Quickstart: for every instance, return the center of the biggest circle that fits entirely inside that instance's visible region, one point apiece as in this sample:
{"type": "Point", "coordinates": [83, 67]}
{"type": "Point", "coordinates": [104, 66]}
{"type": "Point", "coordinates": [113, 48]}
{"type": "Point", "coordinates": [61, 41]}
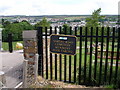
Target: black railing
{"type": "Point", "coordinates": [97, 59]}
{"type": "Point", "coordinates": [10, 43]}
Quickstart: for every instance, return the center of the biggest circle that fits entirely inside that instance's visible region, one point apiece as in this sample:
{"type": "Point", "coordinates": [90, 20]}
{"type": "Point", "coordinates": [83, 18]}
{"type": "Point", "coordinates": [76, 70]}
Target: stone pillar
{"type": "Point", "coordinates": [0, 61]}
{"type": "Point", "coordinates": [30, 56]}
{"type": "Point", "coordinates": [0, 39]}
{"type": "Point", "coordinates": [0, 49]}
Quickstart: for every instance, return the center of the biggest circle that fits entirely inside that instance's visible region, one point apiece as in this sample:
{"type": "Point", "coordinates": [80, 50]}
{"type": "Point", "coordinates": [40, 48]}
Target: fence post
{"type": "Point", "coordinates": [40, 51]}
{"type": "Point", "coordinates": [10, 43]}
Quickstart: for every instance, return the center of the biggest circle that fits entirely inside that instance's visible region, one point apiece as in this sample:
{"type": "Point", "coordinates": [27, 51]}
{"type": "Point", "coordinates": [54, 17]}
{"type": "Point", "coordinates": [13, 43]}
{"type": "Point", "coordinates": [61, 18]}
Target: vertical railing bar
{"type": "Point", "coordinates": [60, 67]}
{"type": "Point", "coordinates": [51, 72]}
{"type": "Point", "coordinates": [46, 52]}
{"type": "Point", "coordinates": [96, 53]}
{"type": "Point", "coordinates": [50, 30]}
{"type": "Point", "coordinates": [118, 56]}
{"type": "Point", "coordinates": [40, 51]}
{"type": "Point", "coordinates": [55, 30]}
{"type": "Point", "coordinates": [10, 42]}
{"type": "Point", "coordinates": [55, 59]}
{"type": "Point", "coordinates": [112, 55]}
{"type": "Point", "coordinates": [70, 60]}
{"type": "Point", "coordinates": [65, 65]}
{"type": "Point", "coordinates": [90, 63]}
{"type": "Point", "coordinates": [107, 48]}
{"type": "Point", "coordinates": [101, 56]}
{"type": "Point", "coordinates": [75, 57]}
{"type": "Point", "coordinates": [42, 54]}
{"type": "Point", "coordinates": [69, 69]}
{"type": "Point", "coordinates": [65, 68]}
{"type": "Point", "coordinates": [85, 59]}
{"type": "Point", "coordinates": [60, 28]}
{"type": "Point", "coordinates": [80, 55]}
{"type": "Point", "coordinates": [55, 66]}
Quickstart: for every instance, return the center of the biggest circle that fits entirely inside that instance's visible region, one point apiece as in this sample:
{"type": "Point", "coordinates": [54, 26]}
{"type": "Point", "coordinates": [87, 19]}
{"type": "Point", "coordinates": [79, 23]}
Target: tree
{"type": "Point", "coordinates": [93, 21]}
{"type": "Point", "coordinates": [44, 23]}
{"type": "Point", "coordinates": [16, 29]}
{"type": "Point", "coordinates": [26, 25]}
{"type": "Point", "coordinates": [3, 20]}
{"type": "Point", "coordinates": [5, 23]}
{"type": "Point", "coordinates": [66, 28]}
{"type": "Point", "coordinates": [25, 21]}
{"type": "Point", "coordinates": [16, 21]}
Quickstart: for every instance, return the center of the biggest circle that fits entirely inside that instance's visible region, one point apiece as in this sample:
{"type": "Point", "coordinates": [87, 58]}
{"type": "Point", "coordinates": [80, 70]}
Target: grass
{"type": "Point", "coordinates": [0, 25]}
{"type": "Point", "coordinates": [6, 47]}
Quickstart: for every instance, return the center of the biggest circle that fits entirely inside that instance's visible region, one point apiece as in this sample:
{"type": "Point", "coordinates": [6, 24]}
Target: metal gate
{"type": "Point", "coordinates": [97, 59]}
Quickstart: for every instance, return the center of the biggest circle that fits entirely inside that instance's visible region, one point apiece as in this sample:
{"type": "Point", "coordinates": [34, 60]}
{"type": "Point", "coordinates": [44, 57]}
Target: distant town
{"type": "Point", "coordinates": [59, 20]}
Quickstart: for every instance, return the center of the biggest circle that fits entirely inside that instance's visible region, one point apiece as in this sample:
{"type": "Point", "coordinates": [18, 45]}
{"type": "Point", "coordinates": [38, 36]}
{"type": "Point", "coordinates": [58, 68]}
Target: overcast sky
{"type": "Point", "coordinates": [57, 7]}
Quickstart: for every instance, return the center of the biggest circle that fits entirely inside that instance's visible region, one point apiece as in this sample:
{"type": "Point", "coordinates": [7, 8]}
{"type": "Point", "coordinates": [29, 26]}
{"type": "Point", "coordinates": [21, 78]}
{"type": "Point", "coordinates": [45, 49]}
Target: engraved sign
{"type": "Point", "coordinates": [63, 44]}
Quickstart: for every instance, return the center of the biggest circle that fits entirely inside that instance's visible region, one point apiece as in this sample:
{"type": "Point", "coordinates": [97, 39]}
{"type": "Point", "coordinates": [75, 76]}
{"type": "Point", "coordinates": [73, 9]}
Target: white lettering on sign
{"type": "Point", "coordinates": [63, 38]}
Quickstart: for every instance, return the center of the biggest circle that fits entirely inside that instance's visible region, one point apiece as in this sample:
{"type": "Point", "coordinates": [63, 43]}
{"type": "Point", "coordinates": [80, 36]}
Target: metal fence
{"type": "Point", "coordinates": [97, 59]}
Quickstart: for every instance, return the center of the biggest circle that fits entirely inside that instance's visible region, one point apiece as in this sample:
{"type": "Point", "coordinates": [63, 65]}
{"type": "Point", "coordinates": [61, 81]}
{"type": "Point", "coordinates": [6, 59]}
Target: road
{"type": "Point", "coordinates": [12, 65]}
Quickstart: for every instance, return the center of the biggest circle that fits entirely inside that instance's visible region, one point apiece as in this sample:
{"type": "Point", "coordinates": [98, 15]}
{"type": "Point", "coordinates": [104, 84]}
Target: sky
{"type": "Point", "coordinates": [57, 7]}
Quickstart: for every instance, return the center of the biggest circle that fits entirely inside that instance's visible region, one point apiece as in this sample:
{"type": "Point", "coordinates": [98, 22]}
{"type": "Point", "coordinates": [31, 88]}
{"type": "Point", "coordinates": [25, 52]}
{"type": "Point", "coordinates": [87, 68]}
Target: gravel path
{"type": "Point", "coordinates": [42, 83]}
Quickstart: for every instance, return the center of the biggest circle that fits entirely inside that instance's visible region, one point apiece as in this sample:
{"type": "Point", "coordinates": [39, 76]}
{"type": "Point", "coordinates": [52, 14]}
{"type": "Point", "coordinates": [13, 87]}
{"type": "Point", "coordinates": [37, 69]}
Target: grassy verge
{"type": "Point", "coordinates": [6, 47]}
{"type": "Point", "coordinates": [0, 25]}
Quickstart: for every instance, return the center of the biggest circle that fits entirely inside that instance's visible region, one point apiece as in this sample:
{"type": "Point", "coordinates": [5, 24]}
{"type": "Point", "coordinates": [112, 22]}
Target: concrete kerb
{"type": "Point", "coordinates": [19, 85]}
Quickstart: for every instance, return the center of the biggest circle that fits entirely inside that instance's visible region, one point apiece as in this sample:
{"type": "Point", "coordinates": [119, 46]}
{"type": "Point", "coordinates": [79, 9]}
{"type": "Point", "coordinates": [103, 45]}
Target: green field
{"type": "Point", "coordinates": [6, 47]}
{"type": "Point", "coordinates": [0, 25]}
